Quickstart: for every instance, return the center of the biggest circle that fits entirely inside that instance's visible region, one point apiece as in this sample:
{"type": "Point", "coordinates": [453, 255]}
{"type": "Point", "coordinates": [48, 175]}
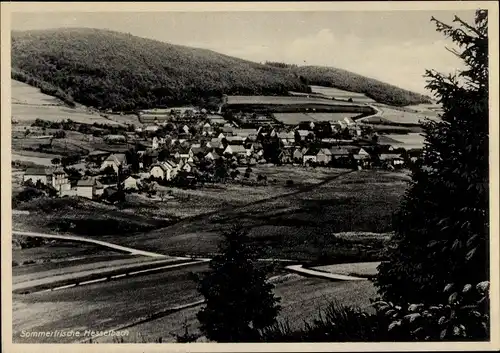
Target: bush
{"type": "Point", "coordinates": [29, 193]}
{"type": "Point", "coordinates": [465, 316]}
{"type": "Point", "coordinates": [289, 182]}
{"type": "Point", "coordinates": [336, 323]}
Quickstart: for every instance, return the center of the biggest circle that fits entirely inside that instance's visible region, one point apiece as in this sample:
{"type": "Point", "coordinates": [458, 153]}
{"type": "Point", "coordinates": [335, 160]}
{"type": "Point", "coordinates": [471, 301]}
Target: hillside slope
{"type": "Point", "coordinates": [108, 69]}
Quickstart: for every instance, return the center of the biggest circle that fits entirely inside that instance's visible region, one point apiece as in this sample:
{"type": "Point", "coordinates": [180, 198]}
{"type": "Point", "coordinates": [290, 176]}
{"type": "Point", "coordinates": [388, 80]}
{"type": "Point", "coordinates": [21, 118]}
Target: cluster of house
{"type": "Point", "coordinates": [186, 145]}
{"type": "Point", "coordinates": [58, 179]}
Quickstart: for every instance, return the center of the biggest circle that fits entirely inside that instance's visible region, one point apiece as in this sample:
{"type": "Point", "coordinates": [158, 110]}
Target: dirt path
{"type": "Point", "coordinates": [88, 240]}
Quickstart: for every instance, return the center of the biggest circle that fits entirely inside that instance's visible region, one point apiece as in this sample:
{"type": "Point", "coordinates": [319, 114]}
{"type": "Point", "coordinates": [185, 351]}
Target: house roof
{"type": "Point", "coordinates": [118, 158]}
{"type": "Point", "coordinates": [235, 138]}
{"type": "Point", "coordinates": [237, 148]}
{"type": "Point", "coordinates": [386, 156]}
{"type": "Point", "coordinates": [59, 170]}
{"type": "Point", "coordinates": [286, 135]}
{"type": "Point", "coordinates": [89, 182]}
{"type": "Point", "coordinates": [214, 154]}
{"type": "Point", "coordinates": [339, 151]}
{"type": "Point", "coordinates": [313, 151]}
{"type": "Point", "coordinates": [37, 171]}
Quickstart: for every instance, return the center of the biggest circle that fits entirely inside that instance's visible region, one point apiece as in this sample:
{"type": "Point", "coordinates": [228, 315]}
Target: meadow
{"type": "Point", "coordinates": [236, 100]}
{"type": "Point", "coordinates": [341, 94]}
{"type": "Point", "coordinates": [29, 104]}
{"type": "Point", "coordinates": [300, 225]}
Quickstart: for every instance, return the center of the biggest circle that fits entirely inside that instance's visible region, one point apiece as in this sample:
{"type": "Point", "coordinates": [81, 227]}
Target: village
{"type": "Point", "coordinates": [187, 147]}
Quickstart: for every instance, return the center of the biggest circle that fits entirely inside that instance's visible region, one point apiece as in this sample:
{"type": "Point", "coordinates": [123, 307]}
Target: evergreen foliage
{"type": "Point", "coordinates": [442, 228]}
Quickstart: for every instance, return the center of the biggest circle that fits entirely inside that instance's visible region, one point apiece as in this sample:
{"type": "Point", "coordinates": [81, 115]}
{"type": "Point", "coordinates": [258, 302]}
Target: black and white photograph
{"type": "Point", "coordinates": [250, 176]}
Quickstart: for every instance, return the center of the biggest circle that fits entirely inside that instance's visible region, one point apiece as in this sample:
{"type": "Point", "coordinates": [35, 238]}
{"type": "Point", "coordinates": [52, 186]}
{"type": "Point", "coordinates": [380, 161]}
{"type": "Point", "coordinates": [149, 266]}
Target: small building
{"type": "Point", "coordinates": [310, 156]}
{"type": "Point", "coordinates": [235, 140]}
{"type": "Point", "coordinates": [394, 159]}
{"type": "Point", "coordinates": [238, 150]}
{"type": "Point", "coordinates": [163, 170]}
{"type": "Point", "coordinates": [90, 188]}
{"type": "Point", "coordinates": [214, 143]}
{"type": "Point", "coordinates": [285, 157]}
{"type": "Point", "coordinates": [339, 152]}
{"type": "Point", "coordinates": [189, 167]}
{"type": "Point", "coordinates": [324, 156]}
{"type": "Point", "coordinates": [115, 160]}
{"type": "Point", "coordinates": [131, 183]}
{"type": "Point", "coordinates": [35, 174]}
{"type": "Point", "coordinates": [298, 155]}
{"type": "Point", "coordinates": [212, 156]}
{"type": "Point", "coordinates": [60, 181]}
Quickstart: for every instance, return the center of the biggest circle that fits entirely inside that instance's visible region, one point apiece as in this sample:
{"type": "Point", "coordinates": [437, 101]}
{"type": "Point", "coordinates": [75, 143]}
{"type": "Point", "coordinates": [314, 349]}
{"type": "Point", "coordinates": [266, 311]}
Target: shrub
{"type": "Point", "coordinates": [464, 317]}
{"type": "Point", "coordinates": [239, 301]}
{"type": "Point", "coordinates": [289, 182]}
{"type": "Point", "coordinates": [336, 323]}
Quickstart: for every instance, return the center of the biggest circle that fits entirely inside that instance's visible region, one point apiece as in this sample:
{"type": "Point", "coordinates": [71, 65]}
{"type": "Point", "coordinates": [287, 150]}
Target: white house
{"type": "Point", "coordinates": [162, 170]}
{"type": "Point", "coordinates": [38, 174]}
{"type": "Point", "coordinates": [115, 160]}
{"type": "Point", "coordinates": [60, 181]}
{"type": "Point", "coordinates": [89, 188]}
{"type": "Point", "coordinates": [235, 150]}
{"type": "Point", "coordinates": [130, 183]}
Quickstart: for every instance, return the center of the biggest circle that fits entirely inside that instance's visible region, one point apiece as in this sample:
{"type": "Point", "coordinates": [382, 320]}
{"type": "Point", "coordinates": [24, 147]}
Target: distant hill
{"type": "Point", "coordinates": [112, 70]}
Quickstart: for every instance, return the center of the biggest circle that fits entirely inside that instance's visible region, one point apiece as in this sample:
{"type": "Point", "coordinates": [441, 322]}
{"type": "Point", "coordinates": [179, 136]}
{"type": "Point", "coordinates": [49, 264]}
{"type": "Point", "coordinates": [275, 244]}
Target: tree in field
{"type": "Point", "coordinates": [239, 301]}
{"type": "Point", "coordinates": [441, 230]}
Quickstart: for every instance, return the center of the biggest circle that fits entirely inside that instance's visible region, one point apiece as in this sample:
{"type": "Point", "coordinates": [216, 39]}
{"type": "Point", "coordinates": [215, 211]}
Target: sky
{"type": "Point", "coordinates": [393, 46]}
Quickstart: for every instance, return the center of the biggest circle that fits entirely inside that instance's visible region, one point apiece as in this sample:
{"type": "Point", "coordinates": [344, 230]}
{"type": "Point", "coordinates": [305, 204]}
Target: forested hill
{"type": "Point", "coordinates": [107, 69]}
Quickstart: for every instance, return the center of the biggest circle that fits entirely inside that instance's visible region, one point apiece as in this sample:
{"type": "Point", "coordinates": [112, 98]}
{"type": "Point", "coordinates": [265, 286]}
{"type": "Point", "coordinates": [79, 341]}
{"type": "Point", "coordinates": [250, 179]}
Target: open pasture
{"type": "Point", "coordinates": [341, 94]}
{"type": "Point", "coordinates": [236, 100]}
{"type": "Point", "coordinates": [23, 93]}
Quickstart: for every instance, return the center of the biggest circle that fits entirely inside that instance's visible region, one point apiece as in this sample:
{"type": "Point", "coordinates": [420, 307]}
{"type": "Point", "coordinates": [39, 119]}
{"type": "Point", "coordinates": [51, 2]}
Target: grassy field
{"type": "Point", "coordinates": [53, 253]}
{"type": "Point", "coordinates": [405, 116]}
{"type": "Point", "coordinates": [301, 299]}
{"type": "Point", "coordinates": [361, 269]}
{"type": "Point", "coordinates": [29, 104]}
{"type": "Point", "coordinates": [84, 217]}
{"type": "Point", "coordinates": [412, 140]}
{"type": "Point", "coordinates": [299, 225]}
{"type": "Point", "coordinates": [341, 94]}
{"type": "Point", "coordinates": [26, 94]}
{"type": "Point", "coordinates": [235, 100]}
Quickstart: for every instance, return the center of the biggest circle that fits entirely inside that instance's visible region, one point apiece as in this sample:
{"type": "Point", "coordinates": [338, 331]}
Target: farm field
{"type": "Point", "coordinates": [23, 93]}
{"type": "Point", "coordinates": [42, 161]}
{"type": "Point", "coordinates": [29, 104]}
{"type": "Point", "coordinates": [407, 141]}
{"type": "Point", "coordinates": [299, 225]}
{"type": "Point", "coordinates": [296, 118]}
{"type": "Point", "coordinates": [43, 255]}
{"type": "Point", "coordinates": [79, 216]}
{"type": "Point", "coordinates": [102, 306]}
{"type": "Point", "coordinates": [236, 100]}
{"type": "Point", "coordinates": [301, 299]}
{"type": "Point", "coordinates": [341, 94]}
{"type": "Point", "coordinates": [403, 116]}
